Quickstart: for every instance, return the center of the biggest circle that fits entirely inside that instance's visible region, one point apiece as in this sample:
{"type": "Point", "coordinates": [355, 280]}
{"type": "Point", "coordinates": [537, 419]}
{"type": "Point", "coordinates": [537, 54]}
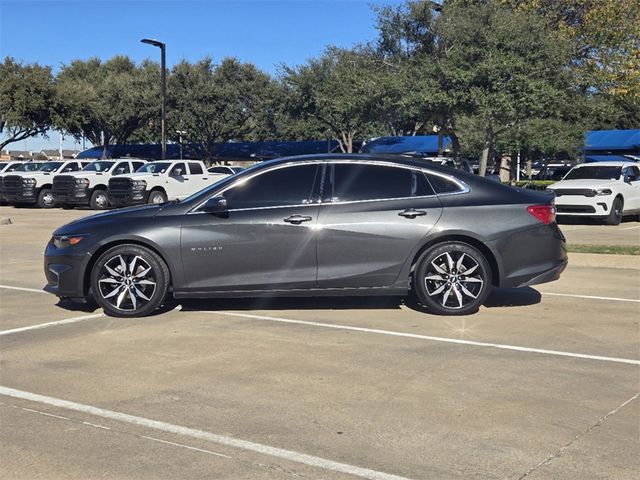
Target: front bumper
{"type": "Point", "coordinates": [75, 196]}
{"type": "Point", "coordinates": [130, 197]}
{"type": "Point", "coordinates": [597, 206]}
{"type": "Point", "coordinates": [65, 273]}
{"type": "Point", "coordinates": [25, 194]}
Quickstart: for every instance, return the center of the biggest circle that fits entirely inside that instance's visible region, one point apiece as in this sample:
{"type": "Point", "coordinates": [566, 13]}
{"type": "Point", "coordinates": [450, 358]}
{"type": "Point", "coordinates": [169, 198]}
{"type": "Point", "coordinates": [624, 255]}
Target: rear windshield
{"type": "Point", "coordinates": [98, 166]}
{"type": "Point", "coordinates": [595, 173]}
{"type": "Point", "coordinates": [155, 167]}
{"type": "Point", "coordinates": [50, 166]}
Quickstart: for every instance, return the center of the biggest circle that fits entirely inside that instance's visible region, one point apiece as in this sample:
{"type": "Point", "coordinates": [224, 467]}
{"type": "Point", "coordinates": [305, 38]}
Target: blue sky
{"type": "Point", "coordinates": [266, 33]}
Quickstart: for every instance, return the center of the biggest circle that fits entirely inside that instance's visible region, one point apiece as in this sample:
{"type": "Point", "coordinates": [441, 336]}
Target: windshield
{"type": "Point", "coordinates": [50, 166]}
{"type": "Point", "coordinates": [154, 167]}
{"type": "Point", "coordinates": [13, 168]}
{"type": "Point", "coordinates": [100, 166]}
{"type": "Point", "coordinates": [594, 173]}
{"type": "Point", "coordinates": [29, 167]}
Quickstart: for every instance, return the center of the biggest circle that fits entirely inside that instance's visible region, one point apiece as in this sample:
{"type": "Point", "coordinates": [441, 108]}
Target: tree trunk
{"type": "Point", "coordinates": [486, 150]}
{"type": "Point", "coordinates": [505, 167]}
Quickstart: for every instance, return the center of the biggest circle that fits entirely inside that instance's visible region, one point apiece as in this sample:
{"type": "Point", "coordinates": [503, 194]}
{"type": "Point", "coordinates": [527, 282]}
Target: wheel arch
{"type": "Point", "coordinates": [490, 255]}
{"type": "Point", "coordinates": [86, 283]}
{"type": "Point", "coordinates": [101, 186]}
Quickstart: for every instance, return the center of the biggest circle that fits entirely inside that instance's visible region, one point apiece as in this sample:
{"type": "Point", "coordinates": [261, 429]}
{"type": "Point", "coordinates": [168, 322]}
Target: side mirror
{"type": "Point", "coordinates": [176, 172]}
{"type": "Point", "coordinates": [216, 205]}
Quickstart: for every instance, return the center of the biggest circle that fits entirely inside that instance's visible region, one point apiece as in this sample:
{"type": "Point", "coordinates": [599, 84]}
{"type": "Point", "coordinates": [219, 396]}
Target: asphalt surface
{"type": "Point", "coordinates": [586, 232]}
{"type": "Point", "coordinates": [542, 383]}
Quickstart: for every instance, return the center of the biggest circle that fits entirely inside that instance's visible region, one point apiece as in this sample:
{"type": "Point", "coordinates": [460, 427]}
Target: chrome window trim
{"type": "Point", "coordinates": [463, 186]}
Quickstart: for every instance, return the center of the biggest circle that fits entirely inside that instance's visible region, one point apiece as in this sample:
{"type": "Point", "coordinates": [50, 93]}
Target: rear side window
{"type": "Point", "coordinates": [195, 168]}
{"type": "Point", "coordinates": [442, 185]}
{"type": "Point", "coordinates": [280, 187]}
{"type": "Point", "coordinates": [353, 182]}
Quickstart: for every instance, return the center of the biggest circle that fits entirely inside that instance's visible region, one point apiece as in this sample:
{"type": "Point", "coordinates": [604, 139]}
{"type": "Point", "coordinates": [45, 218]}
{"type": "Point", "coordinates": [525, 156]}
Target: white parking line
{"type": "Point", "coordinates": [432, 339]}
{"type": "Point", "coordinates": [51, 324]}
{"type": "Point", "coordinates": [186, 446]}
{"type": "Point", "coordinates": [203, 435]}
{"type": "Point", "coordinates": [23, 289]}
{"type": "Point", "coordinates": [591, 297]}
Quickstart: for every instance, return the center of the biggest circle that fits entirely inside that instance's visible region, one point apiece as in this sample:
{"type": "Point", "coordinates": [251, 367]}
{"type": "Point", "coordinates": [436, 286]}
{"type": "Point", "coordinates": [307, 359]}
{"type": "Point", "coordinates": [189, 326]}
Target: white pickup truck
{"type": "Point", "coordinates": [89, 185]}
{"type": "Point", "coordinates": [160, 181]}
{"type": "Point", "coordinates": [36, 186]}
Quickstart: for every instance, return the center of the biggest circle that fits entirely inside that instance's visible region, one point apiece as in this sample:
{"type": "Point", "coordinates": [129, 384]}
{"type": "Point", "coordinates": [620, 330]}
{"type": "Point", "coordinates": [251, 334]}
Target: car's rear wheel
{"type": "Point", "coordinates": [615, 216]}
{"type": "Point", "coordinates": [452, 278]}
{"type": "Point", "coordinates": [46, 198]}
{"type": "Point", "coordinates": [157, 196]}
{"type": "Point", "coordinates": [99, 200]}
{"type": "Point", "coordinates": [129, 281]}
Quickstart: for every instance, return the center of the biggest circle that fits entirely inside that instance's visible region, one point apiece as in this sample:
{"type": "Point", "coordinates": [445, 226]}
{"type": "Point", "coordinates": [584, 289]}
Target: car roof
{"type": "Point", "coordinates": [607, 164]}
{"type": "Point", "coordinates": [388, 158]}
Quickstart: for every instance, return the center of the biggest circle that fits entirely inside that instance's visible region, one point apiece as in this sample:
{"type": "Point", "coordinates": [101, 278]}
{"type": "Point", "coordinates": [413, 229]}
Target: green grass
{"type": "Point", "coordinates": [605, 249]}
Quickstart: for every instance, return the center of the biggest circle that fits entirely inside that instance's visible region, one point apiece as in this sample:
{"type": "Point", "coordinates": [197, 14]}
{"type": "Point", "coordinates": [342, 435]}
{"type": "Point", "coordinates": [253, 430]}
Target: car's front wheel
{"type": "Point", "coordinates": [615, 216]}
{"type": "Point", "coordinates": [46, 199]}
{"type": "Point", "coordinates": [129, 281]}
{"type": "Point", "coordinates": [99, 200]}
{"type": "Point", "coordinates": [452, 278]}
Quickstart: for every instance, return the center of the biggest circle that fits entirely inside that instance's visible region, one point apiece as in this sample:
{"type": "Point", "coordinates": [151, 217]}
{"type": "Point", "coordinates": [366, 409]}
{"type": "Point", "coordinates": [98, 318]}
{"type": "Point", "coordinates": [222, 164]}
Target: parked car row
{"type": "Point", "coordinates": [103, 183]}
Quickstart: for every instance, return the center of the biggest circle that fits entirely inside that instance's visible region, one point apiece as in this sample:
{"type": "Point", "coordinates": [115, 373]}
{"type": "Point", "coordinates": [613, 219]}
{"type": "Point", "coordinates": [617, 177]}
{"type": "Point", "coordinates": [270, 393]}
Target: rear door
{"type": "Point", "coordinates": [198, 176]}
{"type": "Point", "coordinates": [371, 218]}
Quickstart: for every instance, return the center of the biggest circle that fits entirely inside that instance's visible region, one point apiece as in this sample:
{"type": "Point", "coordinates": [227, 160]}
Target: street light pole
{"type": "Point", "coordinates": [163, 87]}
{"type": "Point", "coordinates": [180, 133]}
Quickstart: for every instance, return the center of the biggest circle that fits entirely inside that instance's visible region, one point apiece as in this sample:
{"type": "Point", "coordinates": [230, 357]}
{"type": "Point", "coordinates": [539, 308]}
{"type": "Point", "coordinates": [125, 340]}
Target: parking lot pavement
{"type": "Point", "coordinates": [595, 233]}
{"type": "Point", "coordinates": [541, 383]}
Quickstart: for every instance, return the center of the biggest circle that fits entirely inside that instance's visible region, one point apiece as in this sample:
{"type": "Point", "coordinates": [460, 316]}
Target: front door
{"type": "Point", "coordinates": [371, 218]}
{"type": "Point", "coordinates": [266, 242]}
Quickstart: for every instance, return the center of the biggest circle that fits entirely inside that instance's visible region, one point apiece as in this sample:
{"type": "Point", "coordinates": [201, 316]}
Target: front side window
{"type": "Point", "coordinates": [279, 187]}
{"type": "Point", "coordinates": [178, 169]}
{"type": "Point", "coordinates": [71, 167]}
{"type": "Point", "coordinates": [121, 168]}
{"type": "Point", "coordinates": [51, 166]}
{"type": "Point", "coordinates": [356, 182]}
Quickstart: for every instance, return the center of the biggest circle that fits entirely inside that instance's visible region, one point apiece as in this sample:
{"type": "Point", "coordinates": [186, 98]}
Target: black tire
{"type": "Point", "coordinates": [99, 200]}
{"type": "Point", "coordinates": [46, 198]}
{"type": "Point", "coordinates": [615, 216]}
{"type": "Point", "coordinates": [442, 289]}
{"type": "Point", "coordinates": [157, 196]}
{"type": "Point", "coordinates": [67, 206]}
{"type": "Point", "coordinates": [123, 292]}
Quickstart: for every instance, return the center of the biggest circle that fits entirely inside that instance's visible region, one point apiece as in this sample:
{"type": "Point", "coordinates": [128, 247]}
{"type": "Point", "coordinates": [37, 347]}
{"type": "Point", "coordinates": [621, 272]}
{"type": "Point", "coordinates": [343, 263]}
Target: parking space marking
{"type": "Point", "coordinates": [51, 324]}
{"type": "Point", "coordinates": [591, 297]}
{"type": "Point", "coordinates": [288, 455]}
{"type": "Point", "coordinates": [433, 339]}
{"type": "Point", "coordinates": [23, 289]}
{"type": "Point", "coordinates": [186, 446]}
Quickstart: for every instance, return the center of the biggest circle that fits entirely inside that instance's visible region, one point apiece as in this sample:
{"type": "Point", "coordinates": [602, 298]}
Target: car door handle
{"type": "Point", "coordinates": [412, 213]}
{"type": "Point", "coordinates": [297, 219]}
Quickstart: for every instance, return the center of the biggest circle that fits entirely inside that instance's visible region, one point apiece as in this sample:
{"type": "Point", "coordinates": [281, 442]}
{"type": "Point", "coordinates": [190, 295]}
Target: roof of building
{"type": "Point", "coordinates": [612, 140]}
{"type": "Point", "coordinates": [422, 144]}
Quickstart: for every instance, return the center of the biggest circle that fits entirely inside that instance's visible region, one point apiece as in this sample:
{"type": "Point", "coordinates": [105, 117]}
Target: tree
{"type": "Point", "coordinates": [337, 90]}
{"type": "Point", "coordinates": [216, 103]}
{"type": "Point", "coordinates": [26, 95]}
{"type": "Point", "coordinates": [106, 102]}
{"type": "Point", "coordinates": [508, 66]}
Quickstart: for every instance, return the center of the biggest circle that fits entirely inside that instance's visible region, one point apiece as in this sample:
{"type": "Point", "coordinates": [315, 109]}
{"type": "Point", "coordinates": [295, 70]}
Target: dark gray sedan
{"type": "Point", "coordinates": [327, 225]}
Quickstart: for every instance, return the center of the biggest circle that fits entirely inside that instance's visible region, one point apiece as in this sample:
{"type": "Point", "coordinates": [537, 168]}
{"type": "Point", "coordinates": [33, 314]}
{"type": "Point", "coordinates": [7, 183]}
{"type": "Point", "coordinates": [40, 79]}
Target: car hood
{"type": "Point", "coordinates": [86, 224]}
{"type": "Point", "coordinates": [583, 183]}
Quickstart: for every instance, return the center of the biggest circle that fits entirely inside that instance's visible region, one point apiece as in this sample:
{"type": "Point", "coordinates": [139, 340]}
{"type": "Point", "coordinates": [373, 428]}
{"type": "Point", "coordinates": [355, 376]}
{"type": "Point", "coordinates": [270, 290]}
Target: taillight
{"type": "Point", "coordinates": [545, 213]}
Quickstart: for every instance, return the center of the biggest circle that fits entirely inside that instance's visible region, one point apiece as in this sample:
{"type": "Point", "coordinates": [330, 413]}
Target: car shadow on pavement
{"type": "Point", "coordinates": [499, 297]}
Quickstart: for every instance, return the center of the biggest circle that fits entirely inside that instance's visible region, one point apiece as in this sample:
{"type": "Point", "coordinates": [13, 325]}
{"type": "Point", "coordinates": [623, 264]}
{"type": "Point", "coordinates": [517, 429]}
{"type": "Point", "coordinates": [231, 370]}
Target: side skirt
{"type": "Point", "coordinates": [312, 292]}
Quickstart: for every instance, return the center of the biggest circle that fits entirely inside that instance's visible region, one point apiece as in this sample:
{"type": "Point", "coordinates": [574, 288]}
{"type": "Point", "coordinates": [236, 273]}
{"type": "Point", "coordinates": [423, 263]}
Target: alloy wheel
{"type": "Point", "coordinates": [454, 279]}
{"type": "Point", "coordinates": [127, 282]}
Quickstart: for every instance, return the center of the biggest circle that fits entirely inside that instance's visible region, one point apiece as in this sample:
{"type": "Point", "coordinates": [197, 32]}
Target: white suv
{"type": "Point", "coordinates": [89, 185]}
{"type": "Point", "coordinates": [160, 181]}
{"type": "Point", "coordinates": [606, 190]}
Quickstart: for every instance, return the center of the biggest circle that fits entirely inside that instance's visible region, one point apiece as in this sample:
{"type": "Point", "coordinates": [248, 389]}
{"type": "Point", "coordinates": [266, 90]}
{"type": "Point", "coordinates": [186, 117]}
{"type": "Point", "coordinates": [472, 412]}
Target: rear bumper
{"type": "Point", "coordinates": [549, 275]}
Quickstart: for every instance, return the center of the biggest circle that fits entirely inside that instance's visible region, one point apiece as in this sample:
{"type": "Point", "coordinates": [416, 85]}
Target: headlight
{"type": "Point", "coordinates": [603, 191]}
{"type": "Point", "coordinates": [82, 181]}
{"type": "Point", "coordinates": [139, 184]}
{"type": "Point", "coordinates": [65, 241]}
{"type": "Point", "coordinates": [29, 181]}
